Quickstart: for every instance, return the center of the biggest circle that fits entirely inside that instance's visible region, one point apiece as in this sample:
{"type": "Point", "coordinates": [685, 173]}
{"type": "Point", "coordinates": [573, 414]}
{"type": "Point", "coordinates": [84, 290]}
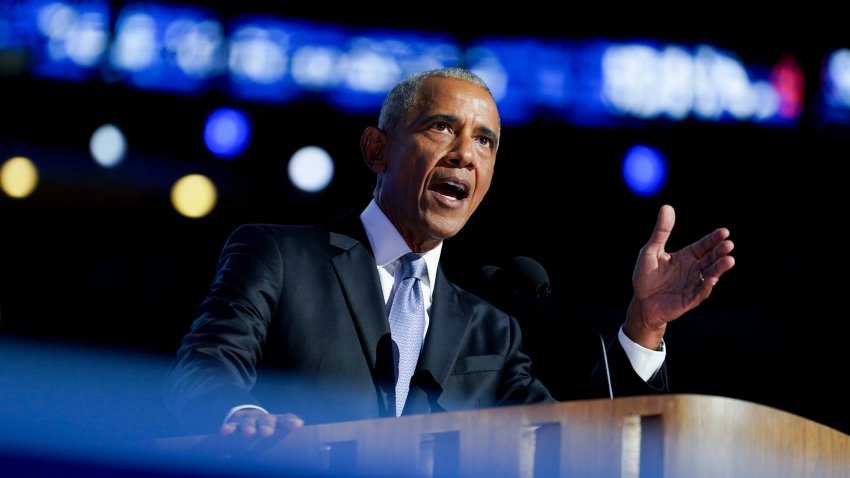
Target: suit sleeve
{"type": "Point", "coordinates": [519, 386]}
{"type": "Point", "coordinates": [215, 366]}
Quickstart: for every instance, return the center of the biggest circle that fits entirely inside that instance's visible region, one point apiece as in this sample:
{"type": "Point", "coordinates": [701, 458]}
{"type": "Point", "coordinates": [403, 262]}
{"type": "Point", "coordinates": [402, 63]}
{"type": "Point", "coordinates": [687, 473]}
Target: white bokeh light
{"type": "Point", "coordinates": [108, 146]}
{"type": "Point", "coordinates": [311, 169]}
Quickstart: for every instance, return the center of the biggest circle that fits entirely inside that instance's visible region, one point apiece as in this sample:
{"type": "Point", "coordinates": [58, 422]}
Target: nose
{"type": "Point", "coordinates": [463, 152]}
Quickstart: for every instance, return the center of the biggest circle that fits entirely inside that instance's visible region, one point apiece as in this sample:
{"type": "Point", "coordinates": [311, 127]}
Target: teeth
{"type": "Point", "coordinates": [456, 186]}
{"type": "Point", "coordinates": [454, 189]}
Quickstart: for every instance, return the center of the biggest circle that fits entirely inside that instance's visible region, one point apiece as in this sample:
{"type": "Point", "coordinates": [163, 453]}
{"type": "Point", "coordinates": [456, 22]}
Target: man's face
{"type": "Point", "coordinates": [439, 162]}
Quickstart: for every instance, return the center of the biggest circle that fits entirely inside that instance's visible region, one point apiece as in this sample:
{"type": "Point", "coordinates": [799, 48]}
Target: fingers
{"type": "Point", "coordinates": [718, 236]}
{"type": "Point", "coordinates": [718, 268]}
{"type": "Point", "coordinates": [253, 422]}
{"type": "Point", "coordinates": [717, 261]}
{"type": "Point", "coordinates": [248, 423]}
{"type": "Point", "coordinates": [713, 248]}
{"type": "Point", "coordinates": [290, 421]}
{"type": "Point", "coordinates": [227, 428]}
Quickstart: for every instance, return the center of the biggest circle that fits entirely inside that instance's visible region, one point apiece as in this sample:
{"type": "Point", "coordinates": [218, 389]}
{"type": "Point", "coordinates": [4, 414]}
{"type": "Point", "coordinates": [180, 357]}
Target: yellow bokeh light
{"type": "Point", "coordinates": [194, 195]}
{"type": "Point", "coordinates": [18, 177]}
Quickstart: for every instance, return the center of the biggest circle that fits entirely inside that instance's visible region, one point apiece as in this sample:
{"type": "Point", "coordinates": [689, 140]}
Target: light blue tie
{"type": "Point", "coordinates": [407, 325]}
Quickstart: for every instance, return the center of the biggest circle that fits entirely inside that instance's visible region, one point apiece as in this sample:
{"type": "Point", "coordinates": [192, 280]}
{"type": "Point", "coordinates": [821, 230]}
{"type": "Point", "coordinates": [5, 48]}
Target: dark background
{"type": "Point", "coordinates": [99, 259]}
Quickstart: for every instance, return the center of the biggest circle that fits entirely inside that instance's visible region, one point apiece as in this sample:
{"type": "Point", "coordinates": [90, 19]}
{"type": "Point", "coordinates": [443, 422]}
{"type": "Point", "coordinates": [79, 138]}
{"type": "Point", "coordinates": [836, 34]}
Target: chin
{"type": "Point", "coordinates": [446, 229]}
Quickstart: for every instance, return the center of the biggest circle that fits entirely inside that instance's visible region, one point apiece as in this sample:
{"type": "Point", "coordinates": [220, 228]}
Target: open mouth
{"type": "Point", "coordinates": [452, 188]}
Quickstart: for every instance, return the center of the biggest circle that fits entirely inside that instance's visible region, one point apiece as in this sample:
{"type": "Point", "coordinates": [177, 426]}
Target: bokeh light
{"type": "Point", "coordinates": [194, 195]}
{"type": "Point", "coordinates": [18, 177]}
{"type": "Point", "coordinates": [644, 170]}
{"type": "Point", "coordinates": [108, 146]}
{"type": "Point", "coordinates": [227, 132]}
{"type": "Point", "coordinates": [311, 169]}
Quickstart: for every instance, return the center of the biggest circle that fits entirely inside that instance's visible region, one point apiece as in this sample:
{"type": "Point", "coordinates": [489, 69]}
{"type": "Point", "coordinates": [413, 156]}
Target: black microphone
{"type": "Point", "coordinates": [528, 277]}
{"type": "Point", "coordinates": [521, 281]}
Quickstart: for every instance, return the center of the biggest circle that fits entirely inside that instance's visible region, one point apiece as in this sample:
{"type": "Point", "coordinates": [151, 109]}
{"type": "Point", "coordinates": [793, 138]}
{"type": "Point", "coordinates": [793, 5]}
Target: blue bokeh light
{"type": "Point", "coordinates": [68, 39]}
{"type": "Point", "coordinates": [173, 48]}
{"type": "Point", "coordinates": [227, 132]}
{"type": "Point", "coordinates": [595, 82]}
{"type": "Point", "coordinates": [644, 170]}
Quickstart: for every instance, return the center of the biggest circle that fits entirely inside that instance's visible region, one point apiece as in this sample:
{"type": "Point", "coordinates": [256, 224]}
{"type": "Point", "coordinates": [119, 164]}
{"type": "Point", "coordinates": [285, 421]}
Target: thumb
{"type": "Point", "coordinates": [663, 227]}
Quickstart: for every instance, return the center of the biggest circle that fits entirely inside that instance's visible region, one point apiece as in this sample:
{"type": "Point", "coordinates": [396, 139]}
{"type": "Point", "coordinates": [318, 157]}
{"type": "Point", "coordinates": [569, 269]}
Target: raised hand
{"type": "Point", "coordinates": [668, 284]}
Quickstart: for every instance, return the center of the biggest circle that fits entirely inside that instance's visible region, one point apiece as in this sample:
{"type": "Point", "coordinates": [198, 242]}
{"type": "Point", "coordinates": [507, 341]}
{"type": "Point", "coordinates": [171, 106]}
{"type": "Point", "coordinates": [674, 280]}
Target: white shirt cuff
{"type": "Point", "coordinates": [644, 361]}
{"type": "Point", "coordinates": [240, 407]}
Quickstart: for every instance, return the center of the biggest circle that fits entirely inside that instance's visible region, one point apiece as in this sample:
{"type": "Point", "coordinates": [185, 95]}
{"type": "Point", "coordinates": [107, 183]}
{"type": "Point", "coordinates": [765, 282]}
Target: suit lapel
{"type": "Point", "coordinates": [449, 318]}
{"type": "Point", "coordinates": [358, 278]}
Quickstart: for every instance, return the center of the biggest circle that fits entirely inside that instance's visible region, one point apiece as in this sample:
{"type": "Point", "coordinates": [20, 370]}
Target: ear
{"type": "Point", "coordinates": [372, 148]}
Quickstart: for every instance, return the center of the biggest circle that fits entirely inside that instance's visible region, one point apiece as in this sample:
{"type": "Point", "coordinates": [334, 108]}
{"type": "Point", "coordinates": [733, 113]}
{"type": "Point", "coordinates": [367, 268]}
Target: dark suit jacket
{"type": "Point", "coordinates": [295, 321]}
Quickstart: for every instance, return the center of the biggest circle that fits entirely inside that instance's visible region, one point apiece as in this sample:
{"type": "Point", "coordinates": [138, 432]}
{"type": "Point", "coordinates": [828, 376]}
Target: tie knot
{"type": "Point", "coordinates": [413, 265]}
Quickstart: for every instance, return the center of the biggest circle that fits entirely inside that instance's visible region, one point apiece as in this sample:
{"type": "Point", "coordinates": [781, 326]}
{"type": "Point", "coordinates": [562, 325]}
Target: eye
{"type": "Point", "coordinates": [441, 126]}
{"type": "Point", "coordinates": [484, 140]}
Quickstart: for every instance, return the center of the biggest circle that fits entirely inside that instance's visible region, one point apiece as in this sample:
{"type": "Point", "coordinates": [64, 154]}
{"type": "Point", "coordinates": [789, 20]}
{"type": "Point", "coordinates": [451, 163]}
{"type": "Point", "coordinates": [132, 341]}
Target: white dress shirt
{"type": "Point", "coordinates": [388, 247]}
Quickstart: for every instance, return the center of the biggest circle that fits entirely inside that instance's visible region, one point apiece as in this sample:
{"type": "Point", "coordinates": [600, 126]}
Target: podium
{"type": "Point", "coordinates": [683, 435]}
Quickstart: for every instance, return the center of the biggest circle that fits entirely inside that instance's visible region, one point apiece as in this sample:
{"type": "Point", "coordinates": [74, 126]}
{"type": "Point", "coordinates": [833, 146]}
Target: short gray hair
{"type": "Point", "coordinates": [405, 95]}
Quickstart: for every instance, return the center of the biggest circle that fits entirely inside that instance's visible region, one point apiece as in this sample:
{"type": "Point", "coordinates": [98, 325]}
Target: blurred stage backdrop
{"type": "Point", "coordinates": [135, 136]}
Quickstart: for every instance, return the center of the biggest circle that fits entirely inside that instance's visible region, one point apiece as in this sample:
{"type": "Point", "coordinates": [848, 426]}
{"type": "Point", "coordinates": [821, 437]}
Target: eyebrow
{"type": "Point", "coordinates": [449, 118]}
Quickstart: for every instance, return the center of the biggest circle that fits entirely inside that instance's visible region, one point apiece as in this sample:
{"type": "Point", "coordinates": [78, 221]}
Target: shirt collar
{"type": "Point", "coordinates": [387, 243]}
